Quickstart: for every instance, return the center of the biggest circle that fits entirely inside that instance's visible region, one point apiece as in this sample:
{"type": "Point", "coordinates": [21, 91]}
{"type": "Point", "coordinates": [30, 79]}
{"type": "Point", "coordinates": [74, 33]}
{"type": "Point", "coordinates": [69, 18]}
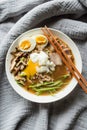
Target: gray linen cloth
{"type": "Point", "coordinates": [18, 16]}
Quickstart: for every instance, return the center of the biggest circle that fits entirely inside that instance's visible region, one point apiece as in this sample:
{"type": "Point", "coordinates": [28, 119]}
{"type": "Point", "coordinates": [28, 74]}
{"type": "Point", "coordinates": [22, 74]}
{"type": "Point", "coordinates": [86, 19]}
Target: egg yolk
{"type": "Point", "coordinates": [30, 70]}
{"type": "Point", "coordinates": [40, 40]}
{"type": "Point", "coordinates": [25, 45]}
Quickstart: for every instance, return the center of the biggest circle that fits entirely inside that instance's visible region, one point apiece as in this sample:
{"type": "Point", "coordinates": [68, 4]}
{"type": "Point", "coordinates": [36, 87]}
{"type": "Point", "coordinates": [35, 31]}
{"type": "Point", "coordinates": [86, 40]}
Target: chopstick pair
{"type": "Point", "coordinates": [67, 61]}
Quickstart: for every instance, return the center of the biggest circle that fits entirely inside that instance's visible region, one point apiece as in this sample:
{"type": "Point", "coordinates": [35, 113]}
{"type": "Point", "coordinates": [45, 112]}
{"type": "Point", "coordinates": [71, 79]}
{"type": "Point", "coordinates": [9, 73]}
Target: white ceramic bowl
{"type": "Point", "coordinates": [44, 99]}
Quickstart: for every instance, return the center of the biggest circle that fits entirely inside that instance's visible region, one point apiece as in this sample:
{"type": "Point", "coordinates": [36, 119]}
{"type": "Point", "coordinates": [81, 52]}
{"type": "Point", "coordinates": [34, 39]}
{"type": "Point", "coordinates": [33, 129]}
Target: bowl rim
{"type": "Point", "coordinates": [35, 99]}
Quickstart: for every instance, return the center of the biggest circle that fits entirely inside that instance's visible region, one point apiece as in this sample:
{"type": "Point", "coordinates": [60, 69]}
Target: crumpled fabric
{"type": "Point", "coordinates": [18, 16]}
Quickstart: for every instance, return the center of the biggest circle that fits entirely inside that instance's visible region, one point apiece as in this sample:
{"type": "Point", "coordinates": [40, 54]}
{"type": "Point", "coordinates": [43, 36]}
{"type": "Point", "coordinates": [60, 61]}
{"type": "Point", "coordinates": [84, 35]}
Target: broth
{"type": "Point", "coordinates": [55, 77]}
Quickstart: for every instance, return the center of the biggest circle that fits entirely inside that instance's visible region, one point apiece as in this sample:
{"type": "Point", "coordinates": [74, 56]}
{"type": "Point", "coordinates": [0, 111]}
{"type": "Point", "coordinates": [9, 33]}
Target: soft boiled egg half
{"type": "Point", "coordinates": [27, 44]}
{"type": "Point", "coordinates": [41, 40]}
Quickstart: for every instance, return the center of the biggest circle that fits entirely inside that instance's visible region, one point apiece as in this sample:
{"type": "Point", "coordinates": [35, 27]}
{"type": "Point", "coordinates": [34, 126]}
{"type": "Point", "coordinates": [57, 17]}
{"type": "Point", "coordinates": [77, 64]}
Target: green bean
{"type": "Point", "coordinates": [64, 76]}
{"type": "Point", "coordinates": [48, 88]}
{"type": "Point", "coordinates": [50, 84]}
{"type": "Point", "coordinates": [20, 82]}
{"type": "Point", "coordinates": [22, 74]}
{"type": "Point", "coordinates": [40, 84]}
{"type": "Point", "coordinates": [52, 92]}
{"type": "Point", "coordinates": [38, 93]}
{"type": "Point", "coordinates": [55, 83]}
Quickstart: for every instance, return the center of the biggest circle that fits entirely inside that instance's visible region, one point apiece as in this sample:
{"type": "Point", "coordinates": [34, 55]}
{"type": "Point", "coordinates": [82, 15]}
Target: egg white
{"type": "Point", "coordinates": [44, 65]}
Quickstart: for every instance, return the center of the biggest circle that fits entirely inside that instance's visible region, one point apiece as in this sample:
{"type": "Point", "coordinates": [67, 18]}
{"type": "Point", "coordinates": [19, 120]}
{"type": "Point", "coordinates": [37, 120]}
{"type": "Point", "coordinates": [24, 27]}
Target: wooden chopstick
{"type": "Point", "coordinates": [81, 80]}
{"type": "Point", "coordinates": [69, 60]}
